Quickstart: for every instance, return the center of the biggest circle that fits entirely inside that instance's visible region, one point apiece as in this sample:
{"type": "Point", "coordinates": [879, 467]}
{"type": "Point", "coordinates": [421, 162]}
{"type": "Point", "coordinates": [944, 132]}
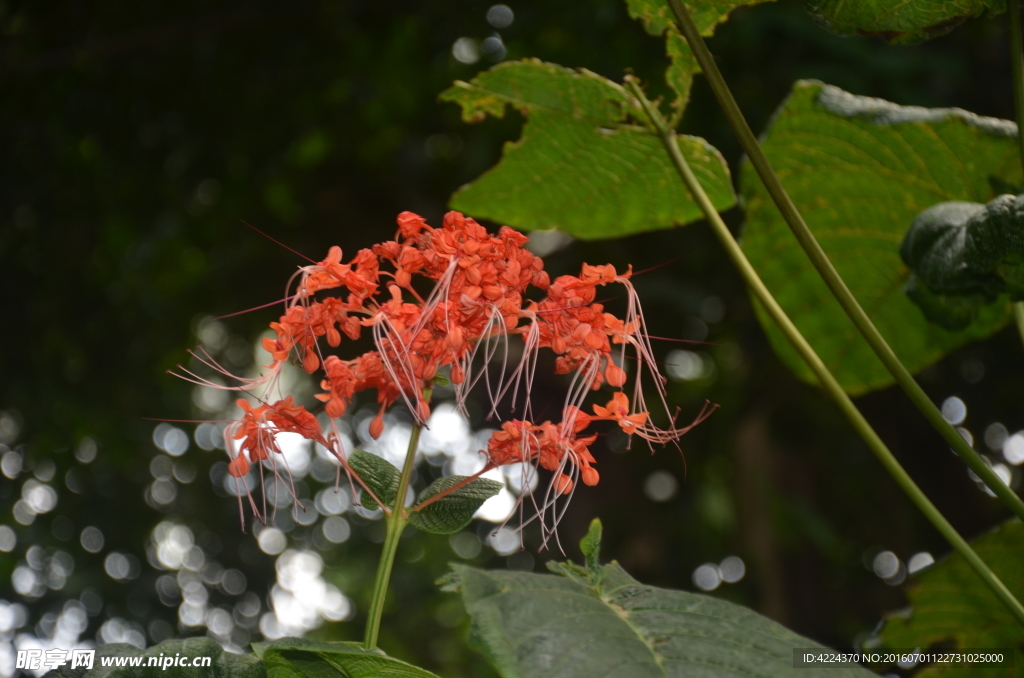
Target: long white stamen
{"type": "Point", "coordinates": [386, 336]}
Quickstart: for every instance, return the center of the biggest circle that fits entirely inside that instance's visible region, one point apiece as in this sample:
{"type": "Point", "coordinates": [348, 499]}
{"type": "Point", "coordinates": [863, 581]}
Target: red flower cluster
{"type": "Point", "coordinates": [578, 330]}
{"type": "Point", "coordinates": [557, 447]}
{"type": "Point", "coordinates": [432, 297]}
{"type": "Point", "coordinates": [258, 429]}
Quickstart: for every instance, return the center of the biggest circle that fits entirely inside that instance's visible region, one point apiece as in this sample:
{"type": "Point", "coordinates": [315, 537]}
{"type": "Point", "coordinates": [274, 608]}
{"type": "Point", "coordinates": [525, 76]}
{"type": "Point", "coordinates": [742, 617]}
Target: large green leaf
{"type": "Point", "coordinates": [579, 166]}
{"type": "Point", "coordinates": [454, 511]}
{"type": "Point", "coordinates": [599, 621]}
{"type": "Point", "coordinates": [951, 607]}
{"type": "Point", "coordinates": [860, 170]}
{"type": "Point", "coordinates": [899, 21]}
{"type": "Point", "coordinates": [300, 658]}
{"type": "Point", "coordinates": [222, 665]}
{"type": "Point", "coordinates": [963, 255]}
{"type": "Point", "coordinates": [378, 474]}
{"type": "Point", "coordinates": [658, 19]}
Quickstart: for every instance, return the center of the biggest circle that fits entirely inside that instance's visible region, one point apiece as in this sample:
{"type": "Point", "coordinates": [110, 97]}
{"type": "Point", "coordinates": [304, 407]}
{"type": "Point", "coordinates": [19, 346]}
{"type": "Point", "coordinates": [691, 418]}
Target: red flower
{"type": "Point", "coordinates": [617, 409]}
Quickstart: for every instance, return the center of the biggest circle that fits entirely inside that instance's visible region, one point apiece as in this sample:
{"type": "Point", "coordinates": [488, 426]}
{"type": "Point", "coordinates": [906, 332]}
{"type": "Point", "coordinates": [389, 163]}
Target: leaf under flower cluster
{"type": "Point", "coordinates": [597, 621]}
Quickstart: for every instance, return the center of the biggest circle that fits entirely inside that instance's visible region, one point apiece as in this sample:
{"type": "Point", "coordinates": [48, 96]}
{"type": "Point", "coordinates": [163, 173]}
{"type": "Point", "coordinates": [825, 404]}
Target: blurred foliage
{"type": "Point", "coordinates": [138, 137]}
{"type": "Point", "coordinates": [899, 21]}
{"type": "Point", "coordinates": [952, 611]}
{"type": "Point", "coordinates": [860, 170]}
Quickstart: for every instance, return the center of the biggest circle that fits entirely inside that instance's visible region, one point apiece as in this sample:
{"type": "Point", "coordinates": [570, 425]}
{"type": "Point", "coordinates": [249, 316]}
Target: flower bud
{"type": "Point", "coordinates": [239, 466]}
{"type": "Point", "coordinates": [377, 425]}
{"type": "Point", "coordinates": [410, 223]}
{"type": "Point", "coordinates": [615, 375]}
{"type": "Point", "coordinates": [454, 338]}
{"type": "Point", "coordinates": [311, 362]}
{"type": "Point", "coordinates": [454, 220]}
{"type": "Point", "coordinates": [563, 484]}
{"type": "Point", "coordinates": [335, 408]}
{"type": "Point", "coordinates": [589, 475]}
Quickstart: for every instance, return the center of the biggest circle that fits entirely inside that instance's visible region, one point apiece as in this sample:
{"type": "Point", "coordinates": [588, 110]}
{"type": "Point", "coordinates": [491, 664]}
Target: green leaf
{"type": "Point", "coordinates": [942, 283]}
{"type": "Point", "coordinates": [658, 19]}
{"type": "Point", "coordinates": [300, 658]}
{"type": "Point", "coordinates": [899, 21]}
{"type": "Point", "coordinates": [579, 166]}
{"type": "Point", "coordinates": [535, 625]}
{"type": "Point", "coordinates": [378, 474]}
{"type": "Point", "coordinates": [591, 545]}
{"type": "Point", "coordinates": [860, 170]}
{"type": "Point", "coordinates": [951, 606]}
{"type": "Point", "coordinates": [963, 256]}
{"type": "Point", "coordinates": [532, 85]}
{"type": "Point", "coordinates": [451, 513]}
{"type": "Point", "coordinates": [223, 664]}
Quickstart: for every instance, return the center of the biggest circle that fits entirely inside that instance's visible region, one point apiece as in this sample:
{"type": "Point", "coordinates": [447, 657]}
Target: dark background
{"type": "Point", "coordinates": [136, 137]}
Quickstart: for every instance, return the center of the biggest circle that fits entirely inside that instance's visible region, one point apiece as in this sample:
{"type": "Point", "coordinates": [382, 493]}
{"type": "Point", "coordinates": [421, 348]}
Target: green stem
{"type": "Point", "coordinates": [828, 272]}
{"type": "Point", "coordinates": [1017, 60]}
{"type": "Point", "coordinates": [396, 524]}
{"type": "Point", "coordinates": [753, 280]}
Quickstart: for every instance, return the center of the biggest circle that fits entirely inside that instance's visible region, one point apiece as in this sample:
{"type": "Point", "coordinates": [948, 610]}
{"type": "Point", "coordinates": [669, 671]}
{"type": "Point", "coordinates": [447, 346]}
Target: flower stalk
{"type": "Point", "coordinates": [825, 377]}
{"type": "Point", "coordinates": [396, 521]}
{"type": "Point", "coordinates": [828, 272]}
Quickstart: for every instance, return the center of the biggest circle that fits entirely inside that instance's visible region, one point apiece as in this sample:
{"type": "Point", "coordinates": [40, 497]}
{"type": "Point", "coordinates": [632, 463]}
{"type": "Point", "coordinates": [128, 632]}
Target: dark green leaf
{"type": "Point", "coordinates": [300, 658]}
{"type": "Point", "coordinates": [379, 475]}
{"type": "Point", "coordinates": [899, 21]}
{"type": "Point", "coordinates": [860, 170]}
{"type": "Point", "coordinates": [657, 18]}
{"type": "Point", "coordinates": [451, 513]}
{"type": "Point", "coordinates": [579, 166]}
{"type": "Point", "coordinates": [223, 664]}
{"type": "Point", "coordinates": [534, 626]}
{"type": "Point", "coordinates": [951, 606]}
{"type": "Point", "coordinates": [964, 255]}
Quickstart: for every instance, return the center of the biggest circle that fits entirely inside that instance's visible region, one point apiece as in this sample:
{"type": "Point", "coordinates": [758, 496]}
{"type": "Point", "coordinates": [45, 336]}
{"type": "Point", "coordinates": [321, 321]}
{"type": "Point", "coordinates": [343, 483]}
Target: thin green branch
{"type": "Point", "coordinates": [828, 272]}
{"type": "Point", "coordinates": [1017, 59]}
{"type": "Point", "coordinates": [753, 280]}
{"type": "Point", "coordinates": [1017, 62]}
{"type": "Point", "coordinates": [396, 524]}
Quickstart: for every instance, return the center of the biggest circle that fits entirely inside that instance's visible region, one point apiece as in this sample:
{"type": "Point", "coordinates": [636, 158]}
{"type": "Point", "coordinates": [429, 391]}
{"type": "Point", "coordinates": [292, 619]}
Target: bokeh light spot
{"type": "Point", "coordinates": [661, 486]}
{"type": "Point", "coordinates": [954, 410]}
